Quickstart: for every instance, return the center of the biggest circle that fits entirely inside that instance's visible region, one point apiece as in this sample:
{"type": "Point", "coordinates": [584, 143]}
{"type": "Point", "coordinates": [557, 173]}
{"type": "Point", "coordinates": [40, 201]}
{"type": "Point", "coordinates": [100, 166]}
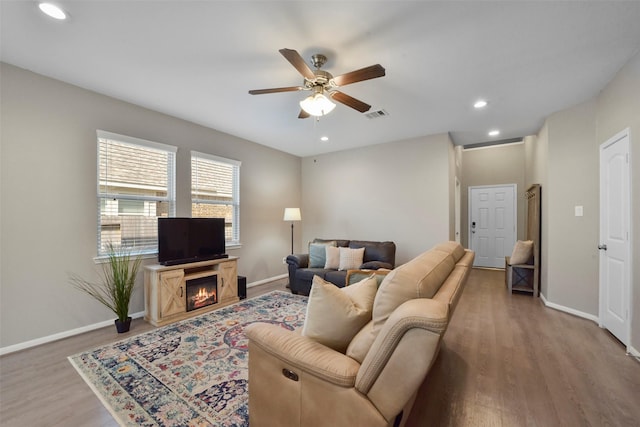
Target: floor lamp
{"type": "Point", "coordinates": [292, 214]}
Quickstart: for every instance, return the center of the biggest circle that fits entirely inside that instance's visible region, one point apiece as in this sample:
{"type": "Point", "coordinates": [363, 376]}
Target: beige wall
{"type": "Point", "coordinates": [494, 165]}
{"type": "Point", "coordinates": [573, 180]}
{"type": "Point", "coordinates": [536, 154]}
{"type": "Point", "coordinates": [398, 191]}
{"type": "Point", "coordinates": [48, 206]}
{"type": "Point", "coordinates": [564, 157]}
{"type": "Point", "coordinates": [618, 109]}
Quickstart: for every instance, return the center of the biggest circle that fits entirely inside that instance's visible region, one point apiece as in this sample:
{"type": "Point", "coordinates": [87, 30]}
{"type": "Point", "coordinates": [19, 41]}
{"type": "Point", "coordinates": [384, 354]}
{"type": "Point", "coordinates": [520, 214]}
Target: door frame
{"type": "Point", "coordinates": [470, 211]}
{"type": "Point", "coordinates": [457, 209]}
{"type": "Point", "coordinates": [628, 291]}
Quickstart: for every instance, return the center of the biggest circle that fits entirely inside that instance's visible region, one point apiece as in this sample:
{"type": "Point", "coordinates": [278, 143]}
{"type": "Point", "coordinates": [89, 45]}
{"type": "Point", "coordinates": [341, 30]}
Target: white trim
{"type": "Point", "coordinates": [135, 141]}
{"type": "Point", "coordinates": [633, 352]}
{"type": "Point", "coordinates": [568, 310]}
{"type": "Point", "coordinates": [267, 280]}
{"type": "Point", "coordinates": [66, 334]}
{"type": "Point", "coordinates": [215, 158]}
{"type": "Point", "coordinates": [61, 335]}
{"type": "Point", "coordinates": [457, 207]}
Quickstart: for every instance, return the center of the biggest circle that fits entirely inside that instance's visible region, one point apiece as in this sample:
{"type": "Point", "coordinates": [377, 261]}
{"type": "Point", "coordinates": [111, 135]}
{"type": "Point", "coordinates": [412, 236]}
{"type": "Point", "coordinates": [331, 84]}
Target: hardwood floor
{"type": "Point", "coordinates": [39, 387]}
{"type": "Point", "coordinates": [506, 361]}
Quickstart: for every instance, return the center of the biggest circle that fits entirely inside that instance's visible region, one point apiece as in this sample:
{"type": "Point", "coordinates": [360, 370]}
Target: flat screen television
{"type": "Point", "coordinates": [185, 240]}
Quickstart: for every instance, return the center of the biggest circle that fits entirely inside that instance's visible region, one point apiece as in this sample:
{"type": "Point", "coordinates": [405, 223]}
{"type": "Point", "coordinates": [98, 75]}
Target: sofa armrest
{"type": "Point", "coordinates": [298, 260]}
{"type": "Point", "coordinates": [304, 354]}
{"type": "Point", "coordinates": [392, 370]}
{"type": "Point", "coordinates": [375, 265]}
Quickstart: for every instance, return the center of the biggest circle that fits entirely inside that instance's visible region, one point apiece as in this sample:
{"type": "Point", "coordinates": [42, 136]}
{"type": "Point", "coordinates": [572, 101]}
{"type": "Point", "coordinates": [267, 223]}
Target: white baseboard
{"type": "Point", "coordinates": [61, 335]}
{"type": "Point", "coordinates": [88, 328]}
{"type": "Point", "coordinates": [267, 280]}
{"type": "Point", "coordinates": [632, 351]}
{"type": "Point", "coordinates": [569, 310]}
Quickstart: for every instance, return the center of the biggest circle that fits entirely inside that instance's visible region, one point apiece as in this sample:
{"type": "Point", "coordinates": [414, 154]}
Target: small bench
{"type": "Point", "coordinates": [526, 277]}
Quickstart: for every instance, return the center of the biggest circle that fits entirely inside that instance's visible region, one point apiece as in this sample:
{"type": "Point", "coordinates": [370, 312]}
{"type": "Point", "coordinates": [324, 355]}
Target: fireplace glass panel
{"type": "Point", "coordinates": [202, 292]}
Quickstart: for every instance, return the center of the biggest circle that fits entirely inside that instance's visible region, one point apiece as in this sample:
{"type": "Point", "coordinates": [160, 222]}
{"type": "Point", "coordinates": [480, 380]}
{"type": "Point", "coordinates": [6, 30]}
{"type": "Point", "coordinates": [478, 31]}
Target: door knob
{"type": "Point", "coordinates": [602, 247]}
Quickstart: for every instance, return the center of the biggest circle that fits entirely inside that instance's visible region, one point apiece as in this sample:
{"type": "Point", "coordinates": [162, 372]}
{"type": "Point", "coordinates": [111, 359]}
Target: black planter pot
{"type": "Point", "coordinates": [123, 326]}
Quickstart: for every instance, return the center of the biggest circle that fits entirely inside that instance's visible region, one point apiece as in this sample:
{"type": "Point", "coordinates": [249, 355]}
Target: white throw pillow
{"type": "Point", "coordinates": [335, 315]}
{"type": "Point", "coordinates": [350, 259]}
{"type": "Point", "coordinates": [522, 252]}
{"type": "Point", "coordinates": [333, 258]}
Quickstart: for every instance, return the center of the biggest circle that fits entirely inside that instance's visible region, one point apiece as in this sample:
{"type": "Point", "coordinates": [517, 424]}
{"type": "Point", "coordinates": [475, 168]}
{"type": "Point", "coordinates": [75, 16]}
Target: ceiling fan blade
{"type": "Point", "coordinates": [296, 60]}
{"type": "Point", "coordinates": [303, 114]}
{"type": "Point", "coordinates": [350, 101]}
{"type": "Point", "coordinates": [275, 90]}
{"type": "Point", "coordinates": [371, 72]}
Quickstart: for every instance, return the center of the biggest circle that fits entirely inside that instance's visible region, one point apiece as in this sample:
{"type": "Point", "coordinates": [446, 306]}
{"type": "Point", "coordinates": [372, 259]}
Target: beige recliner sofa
{"type": "Point", "coordinates": [296, 381]}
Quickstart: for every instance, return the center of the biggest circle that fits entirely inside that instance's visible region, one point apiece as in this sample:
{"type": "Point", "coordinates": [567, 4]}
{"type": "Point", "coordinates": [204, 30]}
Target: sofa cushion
{"type": "Point", "coordinates": [350, 258]}
{"type": "Point", "coordinates": [335, 315]}
{"type": "Point", "coordinates": [454, 248]}
{"type": "Point", "coordinates": [318, 254]}
{"type": "Point", "coordinates": [333, 257]}
{"type": "Point", "coordinates": [419, 278]}
{"type": "Point", "coordinates": [361, 343]}
{"type": "Point", "coordinates": [307, 274]}
{"type": "Point", "coordinates": [376, 251]}
{"type": "Point", "coordinates": [337, 277]}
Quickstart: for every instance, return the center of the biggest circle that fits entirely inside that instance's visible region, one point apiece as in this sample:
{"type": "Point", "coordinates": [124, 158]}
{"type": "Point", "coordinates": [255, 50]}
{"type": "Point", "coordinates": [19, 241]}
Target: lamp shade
{"type": "Point", "coordinates": [292, 214]}
{"type": "Point", "coordinates": [317, 105]}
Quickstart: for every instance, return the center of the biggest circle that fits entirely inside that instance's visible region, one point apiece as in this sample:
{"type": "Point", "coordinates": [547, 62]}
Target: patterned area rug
{"type": "Point", "coordinates": [190, 373]}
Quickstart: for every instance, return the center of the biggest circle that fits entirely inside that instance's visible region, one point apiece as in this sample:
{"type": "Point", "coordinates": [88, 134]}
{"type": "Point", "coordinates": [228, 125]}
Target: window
{"type": "Point", "coordinates": [136, 185]}
{"type": "Point", "coordinates": [215, 191]}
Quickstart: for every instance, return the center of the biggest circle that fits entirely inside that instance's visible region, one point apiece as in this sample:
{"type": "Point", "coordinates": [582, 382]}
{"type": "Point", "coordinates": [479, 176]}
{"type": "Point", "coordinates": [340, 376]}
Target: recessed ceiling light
{"type": "Point", "coordinates": [481, 103]}
{"type": "Point", "coordinates": [324, 138]}
{"type": "Point", "coordinates": [494, 133]}
{"type": "Point", "coordinates": [52, 10]}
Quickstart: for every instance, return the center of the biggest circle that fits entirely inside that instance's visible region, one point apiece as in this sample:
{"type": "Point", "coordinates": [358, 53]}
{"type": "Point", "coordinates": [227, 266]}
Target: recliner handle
{"type": "Point", "coordinates": [290, 374]}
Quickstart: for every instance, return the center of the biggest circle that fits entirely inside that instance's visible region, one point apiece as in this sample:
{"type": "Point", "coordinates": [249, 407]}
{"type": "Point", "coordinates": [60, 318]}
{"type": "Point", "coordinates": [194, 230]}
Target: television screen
{"type": "Point", "coordinates": [184, 240]}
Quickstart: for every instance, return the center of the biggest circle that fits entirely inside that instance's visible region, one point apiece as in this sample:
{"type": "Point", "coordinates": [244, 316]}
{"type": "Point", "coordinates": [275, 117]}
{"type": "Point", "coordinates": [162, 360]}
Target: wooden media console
{"type": "Point", "coordinates": [165, 288]}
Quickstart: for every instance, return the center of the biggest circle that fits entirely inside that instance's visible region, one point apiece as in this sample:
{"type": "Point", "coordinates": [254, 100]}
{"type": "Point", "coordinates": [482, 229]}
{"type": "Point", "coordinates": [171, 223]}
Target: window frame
{"type": "Point", "coordinates": [235, 203]}
{"type": "Point", "coordinates": [170, 197]}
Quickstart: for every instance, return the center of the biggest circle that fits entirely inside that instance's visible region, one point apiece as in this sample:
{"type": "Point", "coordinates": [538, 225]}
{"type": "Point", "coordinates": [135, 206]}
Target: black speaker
{"type": "Point", "coordinates": [242, 287]}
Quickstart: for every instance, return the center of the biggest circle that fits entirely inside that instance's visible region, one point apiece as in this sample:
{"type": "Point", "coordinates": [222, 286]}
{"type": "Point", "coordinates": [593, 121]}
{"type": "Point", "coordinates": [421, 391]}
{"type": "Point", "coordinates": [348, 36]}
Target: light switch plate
{"type": "Point", "coordinates": [579, 211]}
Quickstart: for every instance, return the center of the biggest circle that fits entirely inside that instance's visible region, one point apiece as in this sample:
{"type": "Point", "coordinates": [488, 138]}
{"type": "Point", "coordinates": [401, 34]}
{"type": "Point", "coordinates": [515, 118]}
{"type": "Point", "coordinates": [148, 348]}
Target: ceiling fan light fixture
{"type": "Point", "coordinates": [317, 104]}
{"type": "Point", "coordinates": [480, 103]}
{"type": "Point", "coordinates": [52, 10]}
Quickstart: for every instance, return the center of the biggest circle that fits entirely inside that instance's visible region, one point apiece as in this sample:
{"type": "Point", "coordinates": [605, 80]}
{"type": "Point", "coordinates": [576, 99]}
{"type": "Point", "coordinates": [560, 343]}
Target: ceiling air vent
{"type": "Point", "coordinates": [376, 114]}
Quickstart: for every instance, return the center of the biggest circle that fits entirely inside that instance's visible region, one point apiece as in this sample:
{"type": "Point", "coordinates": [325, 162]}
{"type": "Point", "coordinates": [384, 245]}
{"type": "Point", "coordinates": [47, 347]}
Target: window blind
{"type": "Point", "coordinates": [215, 191]}
{"type": "Point", "coordinates": [136, 185]}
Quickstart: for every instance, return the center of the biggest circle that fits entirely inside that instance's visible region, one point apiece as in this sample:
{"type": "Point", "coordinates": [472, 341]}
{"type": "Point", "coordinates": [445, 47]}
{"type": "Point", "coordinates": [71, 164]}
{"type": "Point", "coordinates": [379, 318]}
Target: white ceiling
{"type": "Point", "coordinates": [196, 60]}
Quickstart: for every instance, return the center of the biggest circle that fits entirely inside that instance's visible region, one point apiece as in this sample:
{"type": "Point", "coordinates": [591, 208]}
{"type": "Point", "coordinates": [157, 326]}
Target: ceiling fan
{"type": "Point", "coordinates": [323, 85]}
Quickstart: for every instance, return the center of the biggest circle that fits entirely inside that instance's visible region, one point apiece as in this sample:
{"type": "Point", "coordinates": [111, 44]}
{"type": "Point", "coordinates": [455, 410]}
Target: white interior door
{"type": "Point", "coordinates": [492, 224]}
{"type": "Point", "coordinates": [615, 209]}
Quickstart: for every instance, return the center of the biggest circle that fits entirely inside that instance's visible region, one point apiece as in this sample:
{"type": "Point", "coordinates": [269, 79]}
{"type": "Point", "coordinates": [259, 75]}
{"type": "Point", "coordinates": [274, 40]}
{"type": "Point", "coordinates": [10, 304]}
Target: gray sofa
{"type": "Point", "coordinates": [302, 267]}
